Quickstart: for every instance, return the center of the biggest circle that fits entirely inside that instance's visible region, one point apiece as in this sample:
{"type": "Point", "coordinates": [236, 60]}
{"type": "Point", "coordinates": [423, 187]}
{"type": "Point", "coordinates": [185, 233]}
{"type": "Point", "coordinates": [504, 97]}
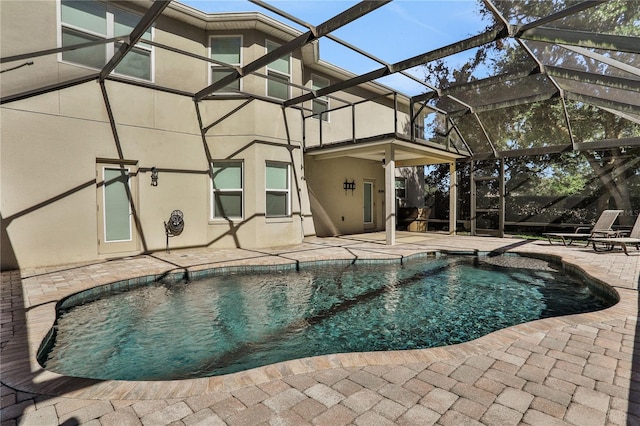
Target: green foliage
{"type": "Point", "coordinates": [567, 175]}
{"type": "Point", "coordinates": [612, 175]}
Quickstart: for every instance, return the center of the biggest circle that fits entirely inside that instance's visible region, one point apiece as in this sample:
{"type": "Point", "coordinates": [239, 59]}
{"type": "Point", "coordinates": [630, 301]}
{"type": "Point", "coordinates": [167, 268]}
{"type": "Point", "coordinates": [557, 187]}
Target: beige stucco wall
{"type": "Point", "coordinates": [257, 133]}
{"type": "Point", "coordinates": [47, 171]}
{"type": "Point", "coordinates": [372, 118]}
{"type": "Point", "coordinates": [50, 144]}
{"type": "Point", "coordinates": [178, 71]}
{"type": "Point", "coordinates": [31, 26]}
{"type": "Point", "coordinates": [192, 74]}
{"type": "Point", "coordinates": [53, 146]}
{"type": "Point", "coordinates": [339, 211]}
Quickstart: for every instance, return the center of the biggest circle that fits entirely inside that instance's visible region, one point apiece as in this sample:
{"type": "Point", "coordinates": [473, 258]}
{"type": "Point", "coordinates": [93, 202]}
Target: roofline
{"type": "Point", "coordinates": [213, 21]}
{"type": "Point", "coordinates": [261, 22]}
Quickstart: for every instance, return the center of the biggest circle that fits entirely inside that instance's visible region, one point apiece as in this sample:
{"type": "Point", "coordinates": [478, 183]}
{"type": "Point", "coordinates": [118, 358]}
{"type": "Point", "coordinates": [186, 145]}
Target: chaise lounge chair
{"type": "Point", "coordinates": [633, 239]}
{"type": "Point", "coordinates": [602, 228]}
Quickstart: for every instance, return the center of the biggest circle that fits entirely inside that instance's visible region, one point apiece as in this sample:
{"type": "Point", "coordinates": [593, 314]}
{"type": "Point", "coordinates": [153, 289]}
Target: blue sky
{"type": "Point", "coordinates": [396, 31]}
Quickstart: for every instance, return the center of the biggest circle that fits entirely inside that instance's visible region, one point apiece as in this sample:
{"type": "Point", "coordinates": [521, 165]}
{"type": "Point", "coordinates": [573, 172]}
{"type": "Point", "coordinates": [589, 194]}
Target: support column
{"type": "Point", "coordinates": [502, 200]}
{"type": "Point", "coordinates": [474, 199]}
{"type": "Point", "coordinates": [390, 194]}
{"type": "Point", "coordinates": [453, 198]}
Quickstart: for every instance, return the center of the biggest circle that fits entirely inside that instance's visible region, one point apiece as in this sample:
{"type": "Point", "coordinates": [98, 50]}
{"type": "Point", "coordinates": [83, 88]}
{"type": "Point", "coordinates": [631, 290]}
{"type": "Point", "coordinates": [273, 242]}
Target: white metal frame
{"type": "Point", "coordinates": [213, 191]}
{"type": "Point", "coordinates": [110, 47]}
{"type": "Point", "coordinates": [287, 192]}
{"type": "Point", "coordinates": [271, 71]}
{"type": "Point", "coordinates": [212, 65]}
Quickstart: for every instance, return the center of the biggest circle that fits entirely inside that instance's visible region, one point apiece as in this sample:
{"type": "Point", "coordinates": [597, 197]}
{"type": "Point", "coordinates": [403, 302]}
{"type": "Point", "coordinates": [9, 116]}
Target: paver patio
{"type": "Point", "coordinates": [575, 370]}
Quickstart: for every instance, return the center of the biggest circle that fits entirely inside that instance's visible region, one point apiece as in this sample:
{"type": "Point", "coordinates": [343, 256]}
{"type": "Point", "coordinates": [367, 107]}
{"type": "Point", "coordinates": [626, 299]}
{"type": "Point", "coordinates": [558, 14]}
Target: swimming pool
{"type": "Point", "coordinates": [230, 323]}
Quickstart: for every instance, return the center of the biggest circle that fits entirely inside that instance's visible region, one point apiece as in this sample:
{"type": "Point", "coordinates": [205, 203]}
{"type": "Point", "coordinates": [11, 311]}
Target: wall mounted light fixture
{"type": "Point", "coordinates": [349, 185]}
{"type": "Point", "coordinates": [154, 176]}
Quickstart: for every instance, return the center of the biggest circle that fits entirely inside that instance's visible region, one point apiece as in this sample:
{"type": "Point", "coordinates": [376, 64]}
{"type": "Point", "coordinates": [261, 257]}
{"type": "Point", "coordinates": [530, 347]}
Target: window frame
{"type": "Point", "coordinates": [403, 188]}
{"type": "Point", "coordinates": [109, 48]}
{"type": "Point", "coordinates": [212, 66]}
{"type": "Point", "coordinates": [286, 191]}
{"type": "Point", "coordinates": [213, 191]}
{"type": "Point", "coordinates": [277, 73]}
{"type": "Point", "coordinates": [320, 99]}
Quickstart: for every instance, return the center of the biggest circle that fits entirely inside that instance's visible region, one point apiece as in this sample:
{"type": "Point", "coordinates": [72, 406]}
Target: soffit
{"type": "Point", "coordinates": [231, 21]}
{"type": "Point", "coordinates": [406, 153]}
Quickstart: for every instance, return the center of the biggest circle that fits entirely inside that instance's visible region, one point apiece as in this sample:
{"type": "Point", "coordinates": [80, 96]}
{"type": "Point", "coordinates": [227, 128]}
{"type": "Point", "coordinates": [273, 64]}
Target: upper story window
{"type": "Point", "coordinates": [84, 21]}
{"type": "Point", "coordinates": [277, 184]}
{"type": "Point", "coordinates": [279, 72]}
{"type": "Point", "coordinates": [320, 104]}
{"type": "Point", "coordinates": [227, 49]}
{"type": "Point", "coordinates": [227, 184]}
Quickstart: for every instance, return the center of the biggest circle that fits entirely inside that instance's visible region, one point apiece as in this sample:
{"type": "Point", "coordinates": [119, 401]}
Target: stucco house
{"type": "Point", "coordinates": [115, 114]}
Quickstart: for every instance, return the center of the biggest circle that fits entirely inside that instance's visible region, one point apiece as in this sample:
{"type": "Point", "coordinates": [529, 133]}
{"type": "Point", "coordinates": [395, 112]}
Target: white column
{"type": "Point", "coordinates": [453, 198]}
{"type": "Point", "coordinates": [390, 194]}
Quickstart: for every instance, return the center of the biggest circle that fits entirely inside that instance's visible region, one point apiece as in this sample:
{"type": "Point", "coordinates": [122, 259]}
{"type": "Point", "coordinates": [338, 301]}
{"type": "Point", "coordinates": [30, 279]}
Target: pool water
{"type": "Point", "coordinates": [225, 324]}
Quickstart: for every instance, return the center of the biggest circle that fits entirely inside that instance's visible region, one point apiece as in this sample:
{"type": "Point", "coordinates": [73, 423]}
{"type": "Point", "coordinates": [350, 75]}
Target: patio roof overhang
{"type": "Point", "coordinates": [391, 151]}
{"type": "Point", "coordinates": [407, 153]}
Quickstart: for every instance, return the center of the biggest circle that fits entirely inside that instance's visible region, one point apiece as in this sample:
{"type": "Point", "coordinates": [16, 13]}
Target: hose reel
{"type": "Point", "coordinates": [174, 226]}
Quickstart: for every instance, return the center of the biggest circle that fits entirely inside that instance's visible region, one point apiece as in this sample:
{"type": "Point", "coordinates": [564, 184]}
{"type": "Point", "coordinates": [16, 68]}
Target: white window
{"type": "Point", "coordinates": [84, 21]}
{"type": "Point", "coordinates": [226, 49]}
{"type": "Point", "coordinates": [227, 183]}
{"type": "Point", "coordinates": [321, 103]}
{"type": "Point", "coordinates": [401, 187]}
{"type": "Point", "coordinates": [117, 205]}
{"type": "Point", "coordinates": [277, 184]}
{"type": "Point", "coordinates": [279, 72]}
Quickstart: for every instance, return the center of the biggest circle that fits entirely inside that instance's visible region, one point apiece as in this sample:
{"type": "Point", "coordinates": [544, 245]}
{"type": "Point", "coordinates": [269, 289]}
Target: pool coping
{"type": "Point", "coordinates": [28, 376]}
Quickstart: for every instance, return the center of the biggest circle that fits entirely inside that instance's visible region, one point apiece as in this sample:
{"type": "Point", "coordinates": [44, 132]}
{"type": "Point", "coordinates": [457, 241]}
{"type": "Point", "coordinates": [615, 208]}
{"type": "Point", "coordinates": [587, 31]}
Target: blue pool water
{"type": "Point", "coordinates": [226, 324]}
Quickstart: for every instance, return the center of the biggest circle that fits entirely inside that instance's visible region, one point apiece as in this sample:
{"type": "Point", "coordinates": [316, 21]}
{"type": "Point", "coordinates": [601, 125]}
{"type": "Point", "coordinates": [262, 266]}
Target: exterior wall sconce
{"type": "Point", "coordinates": [349, 185]}
{"type": "Point", "coordinates": [154, 176]}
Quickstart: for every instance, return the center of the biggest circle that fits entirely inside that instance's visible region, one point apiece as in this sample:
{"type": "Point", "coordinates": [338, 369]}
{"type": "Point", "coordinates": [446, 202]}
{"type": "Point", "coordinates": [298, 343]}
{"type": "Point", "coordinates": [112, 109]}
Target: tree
{"type": "Point", "coordinates": [611, 174]}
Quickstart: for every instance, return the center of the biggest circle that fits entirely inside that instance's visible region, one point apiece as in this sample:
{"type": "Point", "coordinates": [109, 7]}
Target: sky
{"type": "Point", "coordinates": [394, 32]}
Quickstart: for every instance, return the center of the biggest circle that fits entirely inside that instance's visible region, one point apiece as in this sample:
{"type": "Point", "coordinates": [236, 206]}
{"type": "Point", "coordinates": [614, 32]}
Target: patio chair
{"type": "Point", "coordinates": [602, 228]}
{"type": "Point", "coordinates": [633, 239]}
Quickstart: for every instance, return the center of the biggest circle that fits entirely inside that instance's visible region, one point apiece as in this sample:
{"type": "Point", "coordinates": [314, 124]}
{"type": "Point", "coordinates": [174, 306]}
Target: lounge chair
{"type": "Point", "coordinates": [633, 239]}
{"type": "Point", "coordinates": [602, 228]}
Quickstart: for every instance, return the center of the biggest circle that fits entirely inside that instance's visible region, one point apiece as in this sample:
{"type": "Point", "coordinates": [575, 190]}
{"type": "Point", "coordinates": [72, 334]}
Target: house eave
{"type": "Point", "coordinates": [407, 153]}
{"type": "Point", "coordinates": [238, 21]}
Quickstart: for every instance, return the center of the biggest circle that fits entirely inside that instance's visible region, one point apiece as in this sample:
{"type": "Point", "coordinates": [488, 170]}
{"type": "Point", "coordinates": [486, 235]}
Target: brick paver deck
{"type": "Point", "coordinates": [574, 370]}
